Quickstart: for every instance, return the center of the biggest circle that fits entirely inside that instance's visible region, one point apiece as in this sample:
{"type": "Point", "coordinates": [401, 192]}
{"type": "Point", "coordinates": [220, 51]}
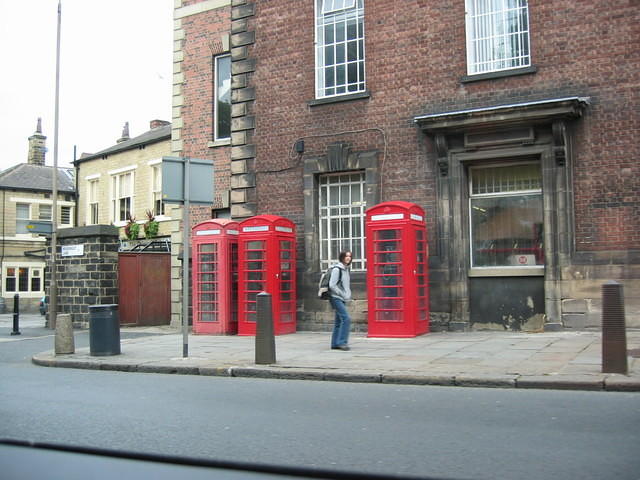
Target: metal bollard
{"type": "Point", "coordinates": [16, 315]}
{"type": "Point", "coordinates": [265, 339]}
{"type": "Point", "coordinates": [614, 339]}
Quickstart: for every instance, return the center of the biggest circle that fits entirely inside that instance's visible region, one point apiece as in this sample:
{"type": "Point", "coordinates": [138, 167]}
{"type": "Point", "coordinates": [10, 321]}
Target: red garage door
{"type": "Point", "coordinates": [145, 289]}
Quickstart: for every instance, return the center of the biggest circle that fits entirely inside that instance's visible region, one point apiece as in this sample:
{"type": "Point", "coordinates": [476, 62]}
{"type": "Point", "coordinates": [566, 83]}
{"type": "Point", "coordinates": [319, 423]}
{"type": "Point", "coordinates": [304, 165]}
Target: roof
{"type": "Point", "coordinates": [152, 136]}
{"type": "Point", "coordinates": [25, 176]}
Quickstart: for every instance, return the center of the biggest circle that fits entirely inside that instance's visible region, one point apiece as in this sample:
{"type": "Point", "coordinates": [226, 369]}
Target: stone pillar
{"type": "Point", "coordinates": [87, 267]}
{"type": "Point", "coordinates": [64, 341]}
{"type": "Point", "coordinates": [243, 150]}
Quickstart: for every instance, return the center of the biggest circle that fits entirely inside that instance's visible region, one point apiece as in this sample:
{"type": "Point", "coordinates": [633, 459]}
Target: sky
{"type": "Point", "coordinates": [115, 67]}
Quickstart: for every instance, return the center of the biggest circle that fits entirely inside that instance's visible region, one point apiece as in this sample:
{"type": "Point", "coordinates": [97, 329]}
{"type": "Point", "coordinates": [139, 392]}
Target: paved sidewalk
{"type": "Point", "coordinates": [559, 360]}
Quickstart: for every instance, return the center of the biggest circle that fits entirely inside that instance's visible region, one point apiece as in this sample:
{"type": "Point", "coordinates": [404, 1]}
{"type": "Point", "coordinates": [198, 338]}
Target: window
{"type": "Point", "coordinates": [506, 216]}
{"type": "Point", "coordinates": [92, 199]}
{"type": "Point", "coordinates": [23, 279]}
{"type": "Point", "coordinates": [44, 212]}
{"type": "Point", "coordinates": [65, 216]}
{"type": "Point", "coordinates": [122, 196]}
{"type": "Point", "coordinates": [156, 189]}
{"type": "Point", "coordinates": [23, 217]}
{"type": "Point", "coordinates": [222, 109]}
{"type": "Point", "coordinates": [339, 47]}
{"type": "Point", "coordinates": [497, 35]}
{"type": "Point", "coordinates": [342, 206]}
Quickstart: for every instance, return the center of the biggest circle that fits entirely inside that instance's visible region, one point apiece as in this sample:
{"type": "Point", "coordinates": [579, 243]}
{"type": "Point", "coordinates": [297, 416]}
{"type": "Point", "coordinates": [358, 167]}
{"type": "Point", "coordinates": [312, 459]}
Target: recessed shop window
{"type": "Point", "coordinates": [506, 215]}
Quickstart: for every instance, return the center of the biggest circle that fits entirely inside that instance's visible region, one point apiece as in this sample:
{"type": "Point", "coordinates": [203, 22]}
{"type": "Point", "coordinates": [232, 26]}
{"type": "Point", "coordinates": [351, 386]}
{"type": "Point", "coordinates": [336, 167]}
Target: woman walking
{"type": "Point", "coordinates": [340, 294]}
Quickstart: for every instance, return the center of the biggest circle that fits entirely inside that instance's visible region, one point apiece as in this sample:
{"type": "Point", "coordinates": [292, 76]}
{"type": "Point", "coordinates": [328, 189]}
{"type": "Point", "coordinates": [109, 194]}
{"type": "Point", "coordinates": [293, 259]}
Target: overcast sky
{"type": "Point", "coordinates": [115, 67]}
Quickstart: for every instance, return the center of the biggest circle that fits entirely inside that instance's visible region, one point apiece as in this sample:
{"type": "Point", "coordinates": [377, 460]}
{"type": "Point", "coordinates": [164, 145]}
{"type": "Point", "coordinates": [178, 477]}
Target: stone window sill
{"type": "Point", "coordinates": [500, 74]}
{"type": "Point", "coordinates": [339, 98]}
{"type": "Point", "coordinates": [536, 271]}
{"type": "Point", "coordinates": [219, 143]}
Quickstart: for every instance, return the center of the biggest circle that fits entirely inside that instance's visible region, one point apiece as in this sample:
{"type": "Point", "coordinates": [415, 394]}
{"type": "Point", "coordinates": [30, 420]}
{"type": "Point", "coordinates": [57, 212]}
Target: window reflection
{"type": "Point", "coordinates": [507, 231]}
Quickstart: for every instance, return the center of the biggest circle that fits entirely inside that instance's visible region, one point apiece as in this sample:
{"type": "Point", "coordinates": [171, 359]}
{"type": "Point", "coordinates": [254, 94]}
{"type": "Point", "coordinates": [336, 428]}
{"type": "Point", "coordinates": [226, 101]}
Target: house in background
{"type": "Point", "coordinates": [26, 196]}
{"type": "Point", "coordinates": [122, 186]}
{"type": "Point", "coordinates": [512, 124]}
{"type": "Point", "coordinates": [125, 180]}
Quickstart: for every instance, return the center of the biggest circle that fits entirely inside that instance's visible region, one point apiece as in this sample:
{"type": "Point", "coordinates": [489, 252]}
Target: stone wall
{"type": "Point", "coordinates": [87, 271]}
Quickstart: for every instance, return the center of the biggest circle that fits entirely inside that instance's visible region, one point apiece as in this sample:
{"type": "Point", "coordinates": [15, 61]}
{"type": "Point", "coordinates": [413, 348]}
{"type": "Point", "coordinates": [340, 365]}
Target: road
{"type": "Point", "coordinates": [442, 432]}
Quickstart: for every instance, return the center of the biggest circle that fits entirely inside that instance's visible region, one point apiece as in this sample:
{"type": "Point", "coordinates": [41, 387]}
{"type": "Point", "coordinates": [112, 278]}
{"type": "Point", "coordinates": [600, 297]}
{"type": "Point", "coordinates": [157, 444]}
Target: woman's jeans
{"type": "Point", "coordinates": [342, 323]}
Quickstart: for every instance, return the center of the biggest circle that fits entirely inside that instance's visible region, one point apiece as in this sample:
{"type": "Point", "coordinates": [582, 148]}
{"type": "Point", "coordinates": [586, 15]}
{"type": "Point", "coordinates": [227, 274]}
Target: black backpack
{"type": "Point", "coordinates": [323, 285]}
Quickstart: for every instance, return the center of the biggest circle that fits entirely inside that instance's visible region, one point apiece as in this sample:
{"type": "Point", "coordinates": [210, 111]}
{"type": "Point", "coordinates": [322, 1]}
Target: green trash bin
{"type": "Point", "coordinates": [104, 330]}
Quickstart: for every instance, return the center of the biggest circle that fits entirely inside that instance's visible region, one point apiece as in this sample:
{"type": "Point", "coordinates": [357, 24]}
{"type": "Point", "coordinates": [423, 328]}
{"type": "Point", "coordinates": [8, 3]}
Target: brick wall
{"type": "Point", "coordinates": [201, 31]}
{"type": "Point", "coordinates": [416, 65]}
{"type": "Point", "coordinates": [415, 59]}
{"type": "Point", "coordinates": [205, 36]}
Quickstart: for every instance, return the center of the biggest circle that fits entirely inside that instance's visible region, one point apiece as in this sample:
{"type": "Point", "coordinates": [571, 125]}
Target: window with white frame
{"type": "Point", "coordinates": [506, 215]}
{"type": "Point", "coordinates": [92, 201]}
{"type": "Point", "coordinates": [156, 189]}
{"type": "Point", "coordinates": [497, 35]}
{"type": "Point", "coordinates": [339, 47]}
{"type": "Point", "coordinates": [44, 212]}
{"type": "Point", "coordinates": [342, 213]}
{"type": "Point", "coordinates": [23, 217]}
{"type": "Point", "coordinates": [23, 278]}
{"type": "Point", "coordinates": [121, 196]}
{"type": "Point", "coordinates": [222, 109]}
{"type": "Point", "coordinates": [65, 216]}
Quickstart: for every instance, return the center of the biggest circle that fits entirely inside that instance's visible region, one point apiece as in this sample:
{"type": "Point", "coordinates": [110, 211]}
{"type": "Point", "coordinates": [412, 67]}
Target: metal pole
{"type": "Point", "coordinates": [53, 286]}
{"type": "Point", "coordinates": [614, 336]}
{"type": "Point", "coordinates": [265, 340]}
{"type": "Point", "coordinates": [16, 315]}
{"type": "Point", "coordinates": [185, 262]}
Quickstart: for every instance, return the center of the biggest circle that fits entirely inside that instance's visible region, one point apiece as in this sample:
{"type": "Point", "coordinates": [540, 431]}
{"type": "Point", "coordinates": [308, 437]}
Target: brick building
{"type": "Point", "coordinates": [512, 123]}
{"type": "Point", "coordinates": [201, 123]}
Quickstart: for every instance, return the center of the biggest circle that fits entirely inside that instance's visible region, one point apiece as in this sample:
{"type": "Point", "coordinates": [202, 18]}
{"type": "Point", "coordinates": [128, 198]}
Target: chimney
{"type": "Point", "coordinates": [125, 133]}
{"type": "Point", "coordinates": [37, 146]}
{"type": "Point", "coordinates": [158, 123]}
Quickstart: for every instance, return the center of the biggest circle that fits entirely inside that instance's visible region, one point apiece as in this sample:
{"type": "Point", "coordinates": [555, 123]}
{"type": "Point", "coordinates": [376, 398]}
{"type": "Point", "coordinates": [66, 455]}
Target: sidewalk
{"type": "Point", "coordinates": [558, 360]}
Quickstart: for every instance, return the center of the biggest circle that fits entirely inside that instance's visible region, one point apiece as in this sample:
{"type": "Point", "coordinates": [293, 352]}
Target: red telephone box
{"type": "Point", "coordinates": [397, 270]}
{"type": "Point", "coordinates": [215, 277]}
{"type": "Point", "coordinates": [267, 263]}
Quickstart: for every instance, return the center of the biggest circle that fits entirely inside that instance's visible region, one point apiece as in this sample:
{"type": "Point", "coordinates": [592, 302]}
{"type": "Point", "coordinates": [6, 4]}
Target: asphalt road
{"type": "Point", "coordinates": [437, 432]}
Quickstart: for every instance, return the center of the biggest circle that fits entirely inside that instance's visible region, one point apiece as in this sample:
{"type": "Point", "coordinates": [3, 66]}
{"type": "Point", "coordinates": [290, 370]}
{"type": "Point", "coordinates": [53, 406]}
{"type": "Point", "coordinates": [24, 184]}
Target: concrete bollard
{"type": "Point", "coordinates": [64, 341]}
{"type": "Point", "coordinates": [614, 339]}
{"type": "Point", "coordinates": [265, 339]}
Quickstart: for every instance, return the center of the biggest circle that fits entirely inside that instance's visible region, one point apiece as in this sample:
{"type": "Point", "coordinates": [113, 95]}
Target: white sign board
{"type": "Point", "coordinates": [72, 250]}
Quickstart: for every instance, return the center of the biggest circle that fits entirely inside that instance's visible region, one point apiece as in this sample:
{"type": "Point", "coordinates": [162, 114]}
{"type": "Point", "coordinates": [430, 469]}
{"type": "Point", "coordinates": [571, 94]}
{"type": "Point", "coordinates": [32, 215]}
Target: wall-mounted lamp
{"type": "Point", "coordinates": [299, 146]}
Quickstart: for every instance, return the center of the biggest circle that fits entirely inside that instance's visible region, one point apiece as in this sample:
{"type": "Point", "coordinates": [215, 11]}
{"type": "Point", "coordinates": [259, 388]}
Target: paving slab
{"type": "Point", "coordinates": [556, 360]}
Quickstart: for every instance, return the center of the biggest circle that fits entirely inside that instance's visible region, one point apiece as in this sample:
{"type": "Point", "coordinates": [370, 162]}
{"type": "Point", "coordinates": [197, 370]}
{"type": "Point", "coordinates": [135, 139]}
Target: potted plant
{"type": "Point", "coordinates": [131, 229]}
{"type": "Point", "coordinates": [151, 226]}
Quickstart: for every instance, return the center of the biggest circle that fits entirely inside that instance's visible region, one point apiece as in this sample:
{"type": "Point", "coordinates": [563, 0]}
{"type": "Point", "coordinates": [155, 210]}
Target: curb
{"type": "Point", "coordinates": [608, 382]}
